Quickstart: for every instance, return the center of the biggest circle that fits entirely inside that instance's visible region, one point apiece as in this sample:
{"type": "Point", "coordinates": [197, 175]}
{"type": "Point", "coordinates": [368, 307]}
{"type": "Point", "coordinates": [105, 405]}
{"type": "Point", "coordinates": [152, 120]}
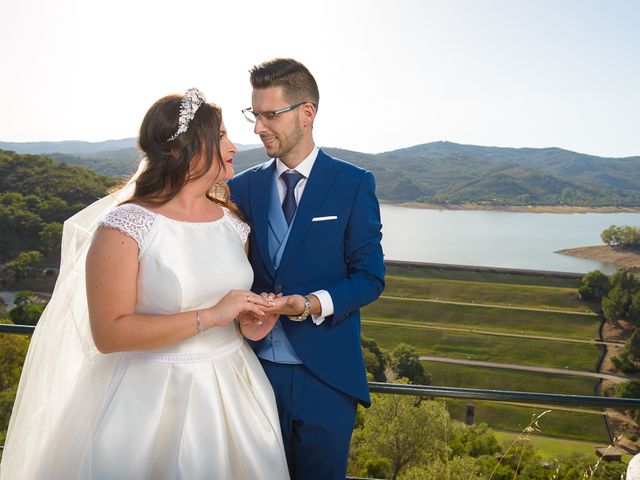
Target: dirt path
{"type": "Point", "coordinates": [430, 326]}
{"type": "Point", "coordinates": [513, 366]}
{"type": "Point", "coordinates": [488, 305]}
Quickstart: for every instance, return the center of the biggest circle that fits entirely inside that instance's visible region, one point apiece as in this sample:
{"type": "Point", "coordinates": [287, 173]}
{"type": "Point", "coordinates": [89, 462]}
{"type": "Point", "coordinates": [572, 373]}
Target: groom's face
{"type": "Point", "coordinates": [281, 134]}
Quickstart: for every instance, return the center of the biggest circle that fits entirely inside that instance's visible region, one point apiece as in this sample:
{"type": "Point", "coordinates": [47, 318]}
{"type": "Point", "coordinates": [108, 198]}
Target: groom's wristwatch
{"type": "Point", "coordinates": [305, 313]}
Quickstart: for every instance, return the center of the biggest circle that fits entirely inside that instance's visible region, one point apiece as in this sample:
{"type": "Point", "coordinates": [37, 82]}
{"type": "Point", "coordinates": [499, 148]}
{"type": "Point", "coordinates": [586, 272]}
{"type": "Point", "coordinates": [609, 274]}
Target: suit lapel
{"type": "Point", "coordinates": [315, 191]}
{"type": "Point", "coordinates": [260, 198]}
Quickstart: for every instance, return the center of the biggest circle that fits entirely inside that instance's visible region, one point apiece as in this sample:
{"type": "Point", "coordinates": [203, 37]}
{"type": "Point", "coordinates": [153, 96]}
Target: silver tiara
{"type": "Point", "coordinates": [192, 100]}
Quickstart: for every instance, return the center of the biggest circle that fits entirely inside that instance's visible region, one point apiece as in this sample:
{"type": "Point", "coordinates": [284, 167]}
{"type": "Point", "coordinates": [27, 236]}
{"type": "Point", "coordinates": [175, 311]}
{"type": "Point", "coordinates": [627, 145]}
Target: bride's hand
{"type": "Point", "coordinates": [233, 304]}
{"type": "Point", "coordinates": [257, 327]}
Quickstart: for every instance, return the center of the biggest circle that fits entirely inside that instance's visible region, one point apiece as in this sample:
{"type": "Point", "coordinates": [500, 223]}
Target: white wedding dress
{"type": "Point", "coordinates": [199, 409]}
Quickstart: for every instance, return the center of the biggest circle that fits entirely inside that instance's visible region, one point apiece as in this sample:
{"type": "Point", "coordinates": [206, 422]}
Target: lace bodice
{"type": "Point", "coordinates": [137, 222]}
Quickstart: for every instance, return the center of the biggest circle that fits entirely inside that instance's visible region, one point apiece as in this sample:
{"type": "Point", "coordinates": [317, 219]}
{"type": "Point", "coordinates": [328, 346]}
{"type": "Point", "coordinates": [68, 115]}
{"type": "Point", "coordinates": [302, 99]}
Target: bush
{"type": "Point", "coordinates": [374, 359]}
{"type": "Point", "coordinates": [28, 314]}
{"type": "Point", "coordinates": [623, 364]}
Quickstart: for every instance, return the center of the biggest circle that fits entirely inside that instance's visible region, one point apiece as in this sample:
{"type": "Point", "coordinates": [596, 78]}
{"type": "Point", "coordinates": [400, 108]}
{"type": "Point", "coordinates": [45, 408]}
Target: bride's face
{"type": "Point", "coordinates": [227, 151]}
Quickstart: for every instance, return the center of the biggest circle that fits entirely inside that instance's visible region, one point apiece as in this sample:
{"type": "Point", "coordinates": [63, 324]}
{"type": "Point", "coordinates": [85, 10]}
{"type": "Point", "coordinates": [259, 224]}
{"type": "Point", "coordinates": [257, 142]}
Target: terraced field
{"type": "Point", "coordinates": [533, 320]}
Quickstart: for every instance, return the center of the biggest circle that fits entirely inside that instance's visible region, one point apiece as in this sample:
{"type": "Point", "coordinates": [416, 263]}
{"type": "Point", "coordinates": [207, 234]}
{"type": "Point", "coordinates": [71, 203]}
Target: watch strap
{"type": "Point", "coordinates": [305, 313]}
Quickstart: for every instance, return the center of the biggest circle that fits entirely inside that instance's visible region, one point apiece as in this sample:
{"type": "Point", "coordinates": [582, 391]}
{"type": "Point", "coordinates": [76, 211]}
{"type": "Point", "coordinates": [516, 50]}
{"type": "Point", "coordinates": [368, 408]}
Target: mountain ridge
{"type": "Point", "coordinates": [448, 173]}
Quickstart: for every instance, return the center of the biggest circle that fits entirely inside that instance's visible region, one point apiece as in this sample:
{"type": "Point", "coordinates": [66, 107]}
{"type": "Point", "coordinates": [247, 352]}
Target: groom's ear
{"type": "Point", "coordinates": [308, 111]}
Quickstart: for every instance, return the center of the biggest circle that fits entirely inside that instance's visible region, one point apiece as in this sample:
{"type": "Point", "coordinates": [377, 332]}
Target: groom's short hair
{"type": "Point", "coordinates": [295, 79]}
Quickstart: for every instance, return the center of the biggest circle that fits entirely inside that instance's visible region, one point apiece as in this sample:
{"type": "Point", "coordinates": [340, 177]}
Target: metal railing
{"type": "Point", "coordinates": [457, 392]}
{"type": "Point", "coordinates": [433, 391]}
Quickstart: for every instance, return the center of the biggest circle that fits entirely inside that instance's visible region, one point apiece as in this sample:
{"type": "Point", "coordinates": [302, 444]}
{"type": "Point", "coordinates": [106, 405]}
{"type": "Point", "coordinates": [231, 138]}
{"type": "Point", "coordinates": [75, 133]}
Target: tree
{"type": "Point", "coordinates": [624, 236]}
{"type": "Point", "coordinates": [610, 236]}
{"type": "Point", "coordinates": [374, 359]}
{"type": "Point", "coordinates": [633, 345]}
{"type": "Point", "coordinates": [51, 237]}
{"type": "Point", "coordinates": [13, 350]}
{"type": "Point", "coordinates": [633, 313]}
{"type": "Point", "coordinates": [23, 297]}
{"type": "Point", "coordinates": [630, 355]}
{"type": "Point", "coordinates": [630, 389]}
{"type": "Point", "coordinates": [403, 431]}
{"type": "Point", "coordinates": [623, 364]}
{"type": "Point", "coordinates": [27, 265]}
{"type": "Point", "coordinates": [405, 363]}
{"type": "Point", "coordinates": [26, 310]}
{"type": "Point", "coordinates": [615, 304]}
{"type": "Point", "coordinates": [595, 285]}
{"type": "Point", "coordinates": [625, 280]}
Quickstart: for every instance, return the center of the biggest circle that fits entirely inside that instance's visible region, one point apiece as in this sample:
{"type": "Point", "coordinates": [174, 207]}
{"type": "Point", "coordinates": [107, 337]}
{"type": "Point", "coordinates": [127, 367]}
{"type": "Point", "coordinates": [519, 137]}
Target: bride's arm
{"type": "Point", "coordinates": [256, 327]}
{"type": "Point", "coordinates": [112, 271]}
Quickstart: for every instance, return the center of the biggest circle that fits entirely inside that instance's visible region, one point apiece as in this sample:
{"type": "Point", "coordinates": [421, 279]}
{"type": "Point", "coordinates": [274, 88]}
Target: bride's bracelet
{"type": "Point", "coordinates": [199, 324]}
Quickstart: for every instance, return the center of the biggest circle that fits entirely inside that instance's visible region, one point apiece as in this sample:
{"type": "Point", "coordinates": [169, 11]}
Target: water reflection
{"type": "Point", "coordinates": [496, 239]}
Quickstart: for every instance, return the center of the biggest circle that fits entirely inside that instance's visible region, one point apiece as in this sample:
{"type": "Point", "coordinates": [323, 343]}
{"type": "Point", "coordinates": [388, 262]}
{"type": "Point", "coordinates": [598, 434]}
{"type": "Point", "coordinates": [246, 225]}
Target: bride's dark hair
{"type": "Point", "coordinates": [169, 162]}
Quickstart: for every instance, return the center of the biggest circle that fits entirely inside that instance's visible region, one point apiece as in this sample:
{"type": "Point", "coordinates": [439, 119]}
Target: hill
{"type": "Point", "coordinates": [69, 146]}
{"type": "Point", "coordinates": [440, 173]}
{"type": "Point", "coordinates": [447, 173]}
{"type": "Point", "coordinates": [519, 176]}
{"type": "Point", "coordinates": [117, 158]}
{"type": "Point", "coordinates": [36, 195]}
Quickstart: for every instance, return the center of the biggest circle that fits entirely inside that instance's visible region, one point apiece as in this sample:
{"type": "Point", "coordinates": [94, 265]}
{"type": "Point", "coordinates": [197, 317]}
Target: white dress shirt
{"type": "Point", "coordinates": [304, 168]}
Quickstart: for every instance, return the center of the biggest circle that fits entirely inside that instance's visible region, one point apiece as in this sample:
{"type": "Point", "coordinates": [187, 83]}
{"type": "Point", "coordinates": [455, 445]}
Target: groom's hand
{"type": "Point", "coordinates": [291, 305]}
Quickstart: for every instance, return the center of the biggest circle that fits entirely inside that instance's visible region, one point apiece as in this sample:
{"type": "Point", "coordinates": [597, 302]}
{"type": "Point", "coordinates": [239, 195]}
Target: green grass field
{"type": "Point", "coordinates": [476, 276]}
{"type": "Point", "coordinates": [486, 318]}
{"type": "Point", "coordinates": [514, 418]}
{"type": "Point", "coordinates": [487, 293]}
{"type": "Point", "coordinates": [522, 351]}
{"type": "Point", "coordinates": [550, 448]}
{"type": "Point", "coordinates": [449, 375]}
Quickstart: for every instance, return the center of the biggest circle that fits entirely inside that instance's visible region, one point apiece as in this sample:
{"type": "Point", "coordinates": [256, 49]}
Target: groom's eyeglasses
{"type": "Point", "coordinates": [253, 117]}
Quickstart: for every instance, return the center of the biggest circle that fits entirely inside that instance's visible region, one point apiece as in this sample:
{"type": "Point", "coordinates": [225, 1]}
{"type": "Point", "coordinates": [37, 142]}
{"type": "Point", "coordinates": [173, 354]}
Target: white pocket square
{"type": "Point", "coordinates": [324, 219]}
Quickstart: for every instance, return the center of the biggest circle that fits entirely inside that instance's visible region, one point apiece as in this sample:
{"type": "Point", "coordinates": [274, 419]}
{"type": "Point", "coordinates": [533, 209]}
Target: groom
{"type": "Point", "coordinates": [315, 239]}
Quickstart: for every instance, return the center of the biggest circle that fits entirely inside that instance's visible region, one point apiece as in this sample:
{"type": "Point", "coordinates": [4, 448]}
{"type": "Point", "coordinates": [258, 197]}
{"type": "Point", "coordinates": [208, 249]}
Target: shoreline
{"type": "Point", "coordinates": [516, 208]}
{"type": "Point", "coordinates": [628, 258]}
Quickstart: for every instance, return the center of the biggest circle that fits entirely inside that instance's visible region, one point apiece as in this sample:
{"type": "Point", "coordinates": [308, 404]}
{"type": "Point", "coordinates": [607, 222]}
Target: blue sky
{"type": "Point", "coordinates": [527, 73]}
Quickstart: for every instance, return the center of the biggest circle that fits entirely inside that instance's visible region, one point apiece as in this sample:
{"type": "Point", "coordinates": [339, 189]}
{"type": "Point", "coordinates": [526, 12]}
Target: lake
{"type": "Point", "coordinates": [496, 239]}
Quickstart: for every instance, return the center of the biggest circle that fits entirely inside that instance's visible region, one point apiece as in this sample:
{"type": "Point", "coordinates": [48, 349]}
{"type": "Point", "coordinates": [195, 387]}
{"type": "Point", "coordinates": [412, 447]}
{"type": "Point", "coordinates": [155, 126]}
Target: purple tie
{"type": "Point", "coordinates": [289, 205]}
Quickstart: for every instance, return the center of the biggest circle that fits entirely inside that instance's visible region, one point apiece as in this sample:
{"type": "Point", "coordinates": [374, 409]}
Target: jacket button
{"type": "Point", "coordinates": [277, 289]}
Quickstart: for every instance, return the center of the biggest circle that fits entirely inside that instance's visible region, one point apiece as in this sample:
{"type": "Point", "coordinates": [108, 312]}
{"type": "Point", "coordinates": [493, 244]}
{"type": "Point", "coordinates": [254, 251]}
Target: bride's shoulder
{"type": "Point", "coordinates": [240, 226]}
{"type": "Point", "coordinates": [131, 219]}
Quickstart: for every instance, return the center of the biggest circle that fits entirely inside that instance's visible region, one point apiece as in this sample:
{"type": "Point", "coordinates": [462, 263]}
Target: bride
{"type": "Point", "coordinates": [144, 373]}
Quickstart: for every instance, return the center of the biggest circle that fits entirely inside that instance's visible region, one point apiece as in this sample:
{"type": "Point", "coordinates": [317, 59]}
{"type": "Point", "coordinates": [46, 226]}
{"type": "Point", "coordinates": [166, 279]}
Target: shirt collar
{"type": "Point", "coordinates": [304, 167]}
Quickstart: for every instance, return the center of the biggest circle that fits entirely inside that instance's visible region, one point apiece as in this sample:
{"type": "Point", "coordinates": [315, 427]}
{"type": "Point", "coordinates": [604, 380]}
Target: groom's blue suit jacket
{"type": "Point", "coordinates": [342, 256]}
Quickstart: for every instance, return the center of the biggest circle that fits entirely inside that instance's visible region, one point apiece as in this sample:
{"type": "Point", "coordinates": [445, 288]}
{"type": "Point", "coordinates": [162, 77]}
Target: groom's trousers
{"type": "Point", "coordinates": [316, 422]}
